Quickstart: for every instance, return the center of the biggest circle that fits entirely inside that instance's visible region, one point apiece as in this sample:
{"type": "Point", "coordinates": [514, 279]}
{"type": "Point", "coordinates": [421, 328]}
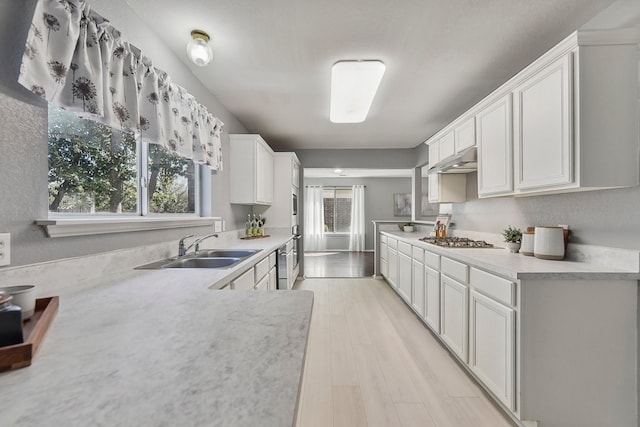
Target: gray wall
{"type": "Point", "coordinates": [378, 200]}
{"type": "Point", "coordinates": [23, 134]}
{"type": "Point", "coordinates": [604, 218]}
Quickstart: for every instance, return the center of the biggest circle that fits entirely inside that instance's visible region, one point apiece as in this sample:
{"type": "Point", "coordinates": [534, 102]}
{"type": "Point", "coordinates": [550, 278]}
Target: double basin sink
{"type": "Point", "coordinates": [211, 258]}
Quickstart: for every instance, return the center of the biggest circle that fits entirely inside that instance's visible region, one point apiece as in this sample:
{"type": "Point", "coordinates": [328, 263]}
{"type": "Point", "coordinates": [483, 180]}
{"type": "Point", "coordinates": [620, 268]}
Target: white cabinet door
{"type": "Point", "coordinates": [290, 279]}
{"type": "Point", "coordinates": [392, 277]}
{"type": "Point", "coordinates": [263, 284]}
{"type": "Point", "coordinates": [295, 173]}
{"type": "Point", "coordinates": [465, 135]}
{"type": "Point", "coordinates": [264, 172]}
{"type": "Point", "coordinates": [404, 277]}
{"type": "Point", "coordinates": [447, 146]}
{"type": "Point", "coordinates": [434, 153]}
{"type": "Point", "coordinates": [543, 137]}
{"type": "Point", "coordinates": [434, 187]}
{"type": "Point", "coordinates": [273, 279]}
{"type": "Point", "coordinates": [454, 297]}
{"type": "Point", "coordinates": [495, 160]}
{"type": "Point", "coordinates": [250, 170]}
{"type": "Point", "coordinates": [418, 297]}
{"type": "Point", "coordinates": [492, 346]}
{"type": "Point", "coordinates": [246, 281]}
{"type": "Point", "coordinates": [432, 308]}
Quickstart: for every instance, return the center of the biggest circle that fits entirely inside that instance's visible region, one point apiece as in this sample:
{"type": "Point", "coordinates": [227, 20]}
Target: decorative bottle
{"type": "Point", "coordinates": [247, 226]}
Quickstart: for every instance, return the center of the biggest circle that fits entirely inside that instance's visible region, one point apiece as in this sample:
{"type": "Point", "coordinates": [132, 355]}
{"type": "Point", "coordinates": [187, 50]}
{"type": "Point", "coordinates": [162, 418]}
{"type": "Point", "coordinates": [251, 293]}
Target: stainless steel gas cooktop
{"type": "Point", "coordinates": [456, 242]}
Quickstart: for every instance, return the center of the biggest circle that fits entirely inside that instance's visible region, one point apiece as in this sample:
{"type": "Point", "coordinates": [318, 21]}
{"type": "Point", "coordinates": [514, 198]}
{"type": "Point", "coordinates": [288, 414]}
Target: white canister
{"type": "Point", "coordinates": [548, 243]}
{"type": "Point", "coordinates": [527, 243]}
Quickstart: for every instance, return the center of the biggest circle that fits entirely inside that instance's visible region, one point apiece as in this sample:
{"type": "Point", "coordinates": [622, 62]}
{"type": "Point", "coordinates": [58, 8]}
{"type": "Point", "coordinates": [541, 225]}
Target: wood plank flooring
{"type": "Point", "coordinates": [338, 264]}
{"type": "Point", "coordinates": [371, 362]}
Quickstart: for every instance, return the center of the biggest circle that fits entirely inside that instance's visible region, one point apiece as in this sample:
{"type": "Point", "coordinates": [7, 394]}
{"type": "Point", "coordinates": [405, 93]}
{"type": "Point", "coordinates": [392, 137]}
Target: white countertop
{"type": "Point", "coordinates": [517, 266]}
{"type": "Point", "coordinates": [159, 347]}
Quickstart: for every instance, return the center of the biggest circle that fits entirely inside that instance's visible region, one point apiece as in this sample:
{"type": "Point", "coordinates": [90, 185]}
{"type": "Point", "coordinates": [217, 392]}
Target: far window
{"type": "Point", "coordinates": [94, 169]}
{"type": "Point", "coordinates": [337, 209]}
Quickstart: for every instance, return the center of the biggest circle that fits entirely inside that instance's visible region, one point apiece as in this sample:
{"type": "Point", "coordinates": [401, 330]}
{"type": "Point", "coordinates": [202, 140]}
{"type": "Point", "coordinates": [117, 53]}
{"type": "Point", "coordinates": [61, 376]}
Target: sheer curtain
{"type": "Point", "coordinates": [314, 239]}
{"type": "Point", "coordinates": [356, 237]}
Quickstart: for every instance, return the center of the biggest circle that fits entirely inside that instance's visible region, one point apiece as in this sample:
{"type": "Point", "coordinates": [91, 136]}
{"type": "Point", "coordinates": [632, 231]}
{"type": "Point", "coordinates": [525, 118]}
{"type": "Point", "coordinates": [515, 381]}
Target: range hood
{"type": "Point", "coordinates": [465, 161]}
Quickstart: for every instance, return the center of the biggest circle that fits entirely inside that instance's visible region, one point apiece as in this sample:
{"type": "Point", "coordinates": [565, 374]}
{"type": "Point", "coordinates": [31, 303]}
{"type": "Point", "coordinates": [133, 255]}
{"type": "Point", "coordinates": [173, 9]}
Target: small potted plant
{"type": "Point", "coordinates": [408, 227]}
{"type": "Point", "coordinates": [513, 238]}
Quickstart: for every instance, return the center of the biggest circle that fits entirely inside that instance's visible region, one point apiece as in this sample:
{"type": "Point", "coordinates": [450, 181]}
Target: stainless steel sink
{"type": "Point", "coordinates": [207, 258]}
{"type": "Point", "coordinates": [201, 262]}
{"type": "Point", "coordinates": [230, 253]}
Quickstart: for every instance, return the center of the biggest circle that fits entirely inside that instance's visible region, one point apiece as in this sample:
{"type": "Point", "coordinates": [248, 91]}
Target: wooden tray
{"type": "Point", "coordinates": [20, 355]}
{"type": "Point", "coordinates": [255, 237]}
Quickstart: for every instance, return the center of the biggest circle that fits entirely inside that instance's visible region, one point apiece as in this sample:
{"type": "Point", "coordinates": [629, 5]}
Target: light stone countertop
{"type": "Point", "coordinates": [517, 266]}
{"type": "Point", "coordinates": [160, 347]}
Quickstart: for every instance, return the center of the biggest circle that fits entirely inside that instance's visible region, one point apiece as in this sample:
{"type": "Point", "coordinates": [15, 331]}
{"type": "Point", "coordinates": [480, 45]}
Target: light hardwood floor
{"type": "Point", "coordinates": [371, 362]}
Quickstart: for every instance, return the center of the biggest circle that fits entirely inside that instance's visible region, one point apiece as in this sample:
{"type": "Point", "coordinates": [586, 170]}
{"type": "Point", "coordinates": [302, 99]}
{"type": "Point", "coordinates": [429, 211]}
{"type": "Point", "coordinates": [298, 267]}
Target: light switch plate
{"type": "Point", "coordinates": [5, 249]}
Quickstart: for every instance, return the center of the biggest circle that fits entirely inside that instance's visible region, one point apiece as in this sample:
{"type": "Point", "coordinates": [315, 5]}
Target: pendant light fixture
{"type": "Point", "coordinates": [198, 49]}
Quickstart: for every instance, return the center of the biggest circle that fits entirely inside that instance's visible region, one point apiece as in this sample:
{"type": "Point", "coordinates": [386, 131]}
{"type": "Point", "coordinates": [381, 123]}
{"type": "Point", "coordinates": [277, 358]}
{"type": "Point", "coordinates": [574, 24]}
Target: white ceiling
{"type": "Point", "coordinates": [272, 58]}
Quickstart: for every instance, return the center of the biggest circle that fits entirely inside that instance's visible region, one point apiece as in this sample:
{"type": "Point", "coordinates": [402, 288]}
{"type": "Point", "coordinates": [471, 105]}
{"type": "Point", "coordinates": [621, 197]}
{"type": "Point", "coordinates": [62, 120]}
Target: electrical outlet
{"type": "Point", "coordinates": [5, 249]}
{"type": "Point", "coordinates": [217, 226]}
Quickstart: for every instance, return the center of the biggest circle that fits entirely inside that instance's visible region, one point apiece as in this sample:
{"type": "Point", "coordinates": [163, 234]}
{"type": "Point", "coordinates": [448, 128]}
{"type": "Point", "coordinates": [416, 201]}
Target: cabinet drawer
{"type": "Point", "coordinates": [432, 260]}
{"type": "Point", "coordinates": [418, 254]}
{"type": "Point", "coordinates": [245, 281]}
{"type": "Point", "coordinates": [289, 246]}
{"type": "Point", "coordinates": [455, 269]}
{"type": "Point", "coordinates": [262, 269]}
{"type": "Point", "coordinates": [404, 248]}
{"type": "Point", "coordinates": [392, 243]}
{"type": "Point", "coordinates": [383, 238]}
{"type": "Point", "coordinates": [495, 287]}
{"type": "Point", "coordinates": [272, 259]}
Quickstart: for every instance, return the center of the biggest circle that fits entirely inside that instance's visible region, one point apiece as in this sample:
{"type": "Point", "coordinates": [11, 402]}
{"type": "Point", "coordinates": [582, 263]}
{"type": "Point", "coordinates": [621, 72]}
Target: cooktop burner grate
{"type": "Point", "coordinates": [456, 242]}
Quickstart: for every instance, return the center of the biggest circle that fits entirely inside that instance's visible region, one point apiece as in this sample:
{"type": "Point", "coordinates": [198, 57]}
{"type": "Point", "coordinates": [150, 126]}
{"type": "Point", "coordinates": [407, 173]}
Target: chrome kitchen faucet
{"type": "Point", "coordinates": [182, 250]}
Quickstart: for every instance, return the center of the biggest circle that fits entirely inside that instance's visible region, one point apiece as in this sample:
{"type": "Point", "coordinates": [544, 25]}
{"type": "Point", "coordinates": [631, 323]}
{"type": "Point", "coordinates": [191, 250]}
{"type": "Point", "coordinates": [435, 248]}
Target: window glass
{"type": "Point", "coordinates": [171, 182]}
{"type": "Point", "coordinates": [92, 167]}
{"type": "Point", "coordinates": [337, 210]}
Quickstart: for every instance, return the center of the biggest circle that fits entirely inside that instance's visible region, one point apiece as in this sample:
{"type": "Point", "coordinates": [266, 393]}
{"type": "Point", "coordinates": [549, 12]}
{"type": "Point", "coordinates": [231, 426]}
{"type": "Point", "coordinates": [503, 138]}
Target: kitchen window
{"type": "Point", "coordinates": [97, 170]}
{"type": "Point", "coordinates": [337, 209]}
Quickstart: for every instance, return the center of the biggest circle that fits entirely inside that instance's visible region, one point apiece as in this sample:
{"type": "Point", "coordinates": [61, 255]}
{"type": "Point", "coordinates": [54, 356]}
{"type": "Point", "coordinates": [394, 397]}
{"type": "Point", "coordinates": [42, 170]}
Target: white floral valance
{"type": "Point", "coordinates": [75, 59]}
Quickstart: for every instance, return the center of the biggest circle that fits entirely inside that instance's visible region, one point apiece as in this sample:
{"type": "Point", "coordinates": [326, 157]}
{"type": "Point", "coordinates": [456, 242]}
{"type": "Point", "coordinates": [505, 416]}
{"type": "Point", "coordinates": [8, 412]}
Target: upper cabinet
{"type": "Point", "coordinates": [567, 122]}
{"type": "Point", "coordinates": [465, 135]}
{"type": "Point", "coordinates": [251, 170]}
{"type": "Point", "coordinates": [495, 170]}
{"type": "Point", "coordinates": [543, 136]}
{"type": "Point", "coordinates": [283, 213]}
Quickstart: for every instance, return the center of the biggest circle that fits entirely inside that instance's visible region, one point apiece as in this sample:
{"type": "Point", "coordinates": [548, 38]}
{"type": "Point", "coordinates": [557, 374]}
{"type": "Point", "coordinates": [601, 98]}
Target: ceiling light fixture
{"type": "Point", "coordinates": [198, 49]}
{"type": "Point", "coordinates": [353, 87]}
{"type": "Point", "coordinates": [337, 170]}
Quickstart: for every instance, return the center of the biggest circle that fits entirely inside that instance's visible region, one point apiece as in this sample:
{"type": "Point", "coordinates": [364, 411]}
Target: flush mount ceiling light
{"type": "Point", "coordinates": [337, 170]}
{"type": "Point", "coordinates": [353, 87]}
{"type": "Point", "coordinates": [198, 49]}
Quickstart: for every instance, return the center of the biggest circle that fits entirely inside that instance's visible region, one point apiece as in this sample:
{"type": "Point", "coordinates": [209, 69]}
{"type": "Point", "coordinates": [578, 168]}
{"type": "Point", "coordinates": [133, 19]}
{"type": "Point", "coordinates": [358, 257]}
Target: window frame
{"type": "Point", "coordinates": [334, 189]}
{"type": "Point", "coordinates": [59, 224]}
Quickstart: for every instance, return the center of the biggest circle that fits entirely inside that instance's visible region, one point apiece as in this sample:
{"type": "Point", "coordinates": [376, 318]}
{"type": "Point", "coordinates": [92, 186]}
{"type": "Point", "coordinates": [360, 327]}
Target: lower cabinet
{"type": "Point", "coordinates": [432, 307]}
{"type": "Point", "coordinates": [454, 309]}
{"type": "Point", "coordinates": [246, 281]}
{"type": "Point", "coordinates": [492, 346]}
{"type": "Point", "coordinates": [273, 278]}
{"type": "Point", "coordinates": [263, 276]}
{"type": "Point", "coordinates": [392, 277]}
{"type": "Point", "coordinates": [263, 284]}
{"type": "Point", "coordinates": [404, 276]}
{"type": "Point", "coordinates": [418, 294]}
